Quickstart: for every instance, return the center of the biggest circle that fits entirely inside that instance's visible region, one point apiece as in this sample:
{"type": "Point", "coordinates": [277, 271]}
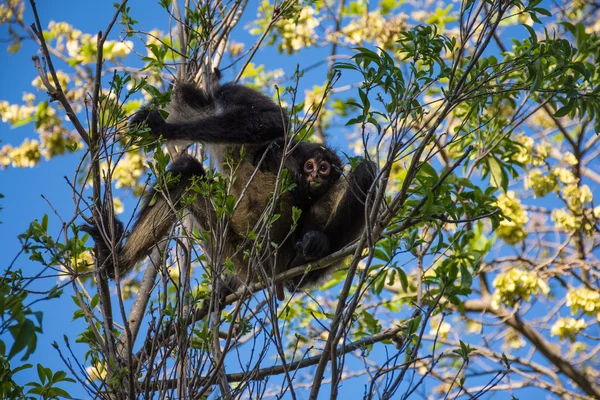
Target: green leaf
{"type": "Point", "coordinates": [565, 110]}
{"type": "Point", "coordinates": [532, 34]}
{"type": "Point", "coordinates": [498, 177]}
{"type": "Point", "coordinates": [94, 301]}
{"type": "Point", "coordinates": [24, 336]}
{"type": "Point", "coordinates": [41, 373]}
{"type": "Point", "coordinates": [371, 322]}
{"type": "Point", "coordinates": [21, 367]}
{"type": "Point", "coordinates": [466, 279]}
{"type": "Point", "coordinates": [296, 214]}
{"type": "Point", "coordinates": [403, 279]}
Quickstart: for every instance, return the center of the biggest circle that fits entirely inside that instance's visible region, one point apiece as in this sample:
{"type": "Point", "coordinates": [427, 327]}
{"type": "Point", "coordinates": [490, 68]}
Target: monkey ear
{"type": "Point", "coordinates": [336, 172]}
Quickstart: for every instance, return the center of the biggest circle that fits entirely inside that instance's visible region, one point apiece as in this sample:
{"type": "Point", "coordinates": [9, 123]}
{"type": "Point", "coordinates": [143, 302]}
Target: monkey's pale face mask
{"type": "Point", "coordinates": [316, 172]}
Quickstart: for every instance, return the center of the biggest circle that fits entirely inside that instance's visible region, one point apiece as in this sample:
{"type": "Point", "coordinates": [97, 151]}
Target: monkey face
{"type": "Point", "coordinates": [320, 173]}
{"type": "Point", "coordinates": [317, 172]}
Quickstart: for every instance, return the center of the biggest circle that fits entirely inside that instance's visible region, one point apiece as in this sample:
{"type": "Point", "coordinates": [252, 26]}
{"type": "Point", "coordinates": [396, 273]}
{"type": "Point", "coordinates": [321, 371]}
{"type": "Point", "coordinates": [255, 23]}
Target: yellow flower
{"type": "Point", "coordinates": [567, 328]}
{"type": "Point", "coordinates": [63, 79]}
{"type": "Point", "coordinates": [12, 113]}
{"type": "Point", "coordinates": [97, 371]}
{"type": "Point", "coordinates": [373, 27]}
{"type": "Point", "coordinates": [585, 300]}
{"type": "Point", "coordinates": [570, 158]}
{"type": "Point", "coordinates": [128, 172]}
{"type": "Point", "coordinates": [514, 340]}
{"type": "Point", "coordinates": [442, 329]}
{"type": "Point", "coordinates": [539, 183]}
{"type": "Point", "coordinates": [565, 176]}
{"type": "Point", "coordinates": [516, 284]}
{"type": "Point", "coordinates": [473, 326]}
{"type": "Point", "coordinates": [235, 48]}
{"type": "Point", "coordinates": [512, 231]}
{"type": "Point", "coordinates": [524, 154]}
{"type": "Point", "coordinates": [542, 150]}
{"type": "Point", "coordinates": [565, 220]}
{"type": "Point", "coordinates": [577, 196]}
{"type": "Point", "coordinates": [118, 205]}
{"type": "Point", "coordinates": [11, 10]}
{"type": "Point", "coordinates": [296, 34]}
{"type": "Point", "coordinates": [83, 263]}
{"type": "Point", "coordinates": [57, 141]}
{"type": "Point", "coordinates": [26, 155]}
{"type": "Point", "coordinates": [313, 98]}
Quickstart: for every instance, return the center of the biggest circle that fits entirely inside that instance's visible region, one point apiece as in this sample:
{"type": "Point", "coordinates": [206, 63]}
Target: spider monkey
{"type": "Point", "coordinates": [226, 118]}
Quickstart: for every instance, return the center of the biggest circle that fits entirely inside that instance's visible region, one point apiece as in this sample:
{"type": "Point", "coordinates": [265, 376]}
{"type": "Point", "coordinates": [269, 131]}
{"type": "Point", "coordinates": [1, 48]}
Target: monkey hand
{"type": "Point", "coordinates": [104, 249]}
{"type": "Point", "coordinates": [149, 117]}
{"type": "Point", "coordinates": [314, 245]}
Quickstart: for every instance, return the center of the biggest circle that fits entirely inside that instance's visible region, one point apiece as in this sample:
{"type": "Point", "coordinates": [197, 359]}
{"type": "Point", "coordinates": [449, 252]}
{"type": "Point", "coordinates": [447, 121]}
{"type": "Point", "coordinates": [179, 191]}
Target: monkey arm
{"type": "Point", "coordinates": [233, 115]}
{"type": "Point", "coordinates": [237, 125]}
{"type": "Point", "coordinates": [348, 219]}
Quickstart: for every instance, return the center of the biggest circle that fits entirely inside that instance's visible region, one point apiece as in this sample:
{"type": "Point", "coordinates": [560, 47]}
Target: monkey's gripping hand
{"type": "Point", "coordinates": [149, 117]}
{"type": "Point", "coordinates": [104, 249]}
{"type": "Point", "coordinates": [314, 245]}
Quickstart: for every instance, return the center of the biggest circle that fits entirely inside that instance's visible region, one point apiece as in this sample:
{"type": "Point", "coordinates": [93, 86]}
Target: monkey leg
{"type": "Point", "coordinates": [156, 217]}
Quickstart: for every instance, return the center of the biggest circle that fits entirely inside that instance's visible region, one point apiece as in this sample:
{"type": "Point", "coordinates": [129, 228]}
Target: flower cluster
{"type": "Point", "coordinates": [579, 214]}
{"type": "Point", "coordinates": [62, 77]}
{"type": "Point", "coordinates": [439, 328]}
{"type": "Point", "coordinates": [577, 196]}
{"type": "Point", "coordinates": [516, 284]}
{"type": "Point", "coordinates": [512, 231]}
{"type": "Point", "coordinates": [567, 328]}
{"type": "Point", "coordinates": [584, 300]}
{"type": "Point", "coordinates": [542, 150]}
{"type": "Point", "coordinates": [513, 340]}
{"type": "Point", "coordinates": [54, 139]}
{"type": "Point", "coordinates": [128, 172]}
{"type": "Point", "coordinates": [564, 175]}
{"type": "Point", "coordinates": [525, 149]}
{"type": "Point", "coordinates": [82, 263]}
{"type": "Point", "coordinates": [374, 27]}
{"type": "Point", "coordinates": [11, 10]}
{"type": "Point", "coordinates": [297, 33]}
{"type": "Point", "coordinates": [235, 48]}
{"type": "Point", "coordinates": [82, 47]}
{"type": "Point", "coordinates": [28, 154]}
{"type": "Point", "coordinates": [540, 184]}
{"type": "Point", "coordinates": [313, 98]}
{"type": "Point", "coordinates": [564, 220]}
{"type": "Point", "coordinates": [12, 113]}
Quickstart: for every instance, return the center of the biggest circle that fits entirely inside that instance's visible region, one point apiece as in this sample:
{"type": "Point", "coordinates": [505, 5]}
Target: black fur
{"type": "Point", "coordinates": [234, 115]}
{"type": "Point", "coordinates": [328, 228]}
{"type": "Point", "coordinates": [263, 120]}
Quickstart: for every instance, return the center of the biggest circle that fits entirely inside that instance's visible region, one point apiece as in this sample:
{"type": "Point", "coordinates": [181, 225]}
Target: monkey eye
{"type": "Point", "coordinates": [324, 168]}
{"type": "Point", "coordinates": [308, 166]}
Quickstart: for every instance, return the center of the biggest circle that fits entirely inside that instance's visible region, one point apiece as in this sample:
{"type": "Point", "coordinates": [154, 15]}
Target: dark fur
{"type": "Point", "coordinates": [225, 119]}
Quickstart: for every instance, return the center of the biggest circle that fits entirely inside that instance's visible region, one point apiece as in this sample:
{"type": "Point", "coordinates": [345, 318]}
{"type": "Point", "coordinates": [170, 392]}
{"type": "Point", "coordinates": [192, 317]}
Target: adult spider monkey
{"type": "Point", "coordinates": [225, 119]}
